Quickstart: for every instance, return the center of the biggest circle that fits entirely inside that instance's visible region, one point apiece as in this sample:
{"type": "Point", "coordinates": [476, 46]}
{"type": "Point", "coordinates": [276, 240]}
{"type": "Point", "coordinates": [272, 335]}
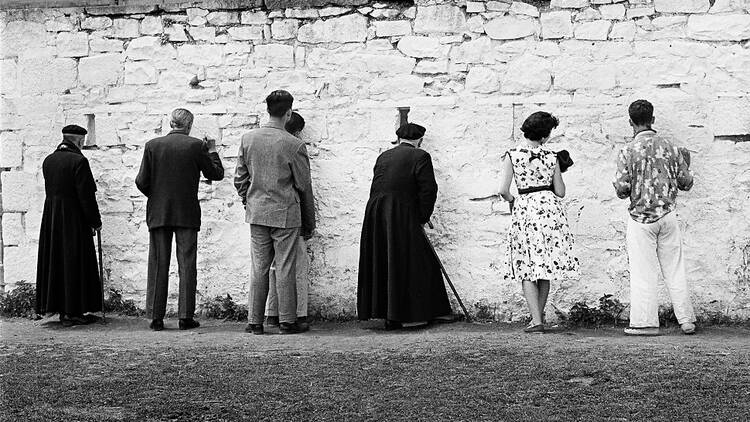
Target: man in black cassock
{"type": "Point", "coordinates": [399, 276]}
{"type": "Point", "coordinates": [67, 276]}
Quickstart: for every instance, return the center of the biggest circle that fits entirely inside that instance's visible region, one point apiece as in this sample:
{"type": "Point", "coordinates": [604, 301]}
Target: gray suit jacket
{"type": "Point", "coordinates": [273, 178]}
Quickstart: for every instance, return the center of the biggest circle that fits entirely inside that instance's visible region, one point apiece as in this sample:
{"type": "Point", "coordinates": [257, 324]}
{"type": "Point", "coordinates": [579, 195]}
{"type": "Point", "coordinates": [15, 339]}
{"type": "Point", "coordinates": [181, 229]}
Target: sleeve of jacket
{"type": "Point", "coordinates": [210, 164]}
{"type": "Point", "coordinates": [242, 176]}
{"type": "Point", "coordinates": [303, 184]}
{"type": "Point", "coordinates": [143, 180]}
{"type": "Point", "coordinates": [426, 187]}
{"type": "Point", "coordinates": [86, 190]}
{"type": "Point", "coordinates": [622, 176]}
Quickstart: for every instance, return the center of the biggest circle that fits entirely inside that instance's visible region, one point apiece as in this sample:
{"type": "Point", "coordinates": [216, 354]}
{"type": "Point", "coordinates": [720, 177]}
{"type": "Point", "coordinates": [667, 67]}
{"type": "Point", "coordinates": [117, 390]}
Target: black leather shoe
{"type": "Point", "coordinates": [157, 325]}
{"type": "Point", "coordinates": [392, 325]}
{"type": "Point", "coordinates": [188, 323]}
{"type": "Point", "coordinates": [291, 328]}
{"type": "Point", "coordinates": [272, 321]}
{"type": "Point", "coordinates": [256, 329]}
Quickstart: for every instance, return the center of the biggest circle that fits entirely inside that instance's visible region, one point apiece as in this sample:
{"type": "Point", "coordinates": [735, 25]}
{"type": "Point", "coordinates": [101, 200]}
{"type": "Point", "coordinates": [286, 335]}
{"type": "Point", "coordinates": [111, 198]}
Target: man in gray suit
{"type": "Point", "coordinates": [273, 179]}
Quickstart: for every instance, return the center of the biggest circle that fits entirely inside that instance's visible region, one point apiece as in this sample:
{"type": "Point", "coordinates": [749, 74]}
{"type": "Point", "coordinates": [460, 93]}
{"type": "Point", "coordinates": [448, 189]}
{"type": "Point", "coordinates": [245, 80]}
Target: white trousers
{"type": "Point", "coordinates": [303, 266]}
{"type": "Point", "coordinates": [654, 249]}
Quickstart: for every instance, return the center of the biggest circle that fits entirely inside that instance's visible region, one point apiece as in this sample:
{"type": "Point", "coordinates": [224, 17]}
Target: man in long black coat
{"type": "Point", "coordinates": [399, 276]}
{"type": "Point", "coordinates": [169, 177]}
{"type": "Point", "coordinates": [67, 279]}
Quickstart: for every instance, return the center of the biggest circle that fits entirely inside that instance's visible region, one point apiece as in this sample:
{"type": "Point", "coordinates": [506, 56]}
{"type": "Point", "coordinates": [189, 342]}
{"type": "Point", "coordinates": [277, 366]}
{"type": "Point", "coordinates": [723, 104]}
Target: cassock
{"type": "Point", "coordinates": [67, 278]}
{"type": "Point", "coordinates": [399, 276]}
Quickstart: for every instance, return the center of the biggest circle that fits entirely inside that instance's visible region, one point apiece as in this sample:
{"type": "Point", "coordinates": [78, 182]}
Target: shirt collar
{"type": "Point", "coordinates": [274, 125]}
{"type": "Point", "coordinates": [69, 146]}
{"type": "Point", "coordinates": [644, 133]}
{"type": "Point", "coordinates": [406, 143]}
{"type": "Point", "coordinates": [180, 131]}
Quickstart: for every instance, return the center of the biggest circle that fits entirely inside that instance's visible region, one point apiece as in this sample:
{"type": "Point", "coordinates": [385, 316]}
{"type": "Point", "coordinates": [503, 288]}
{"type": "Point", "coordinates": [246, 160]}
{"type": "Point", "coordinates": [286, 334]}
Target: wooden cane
{"type": "Point", "coordinates": [101, 272]}
{"type": "Point", "coordinates": [442, 268]}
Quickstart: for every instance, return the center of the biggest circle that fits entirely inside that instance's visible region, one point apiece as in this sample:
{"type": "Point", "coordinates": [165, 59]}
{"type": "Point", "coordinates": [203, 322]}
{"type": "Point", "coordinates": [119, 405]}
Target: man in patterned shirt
{"type": "Point", "coordinates": [650, 171]}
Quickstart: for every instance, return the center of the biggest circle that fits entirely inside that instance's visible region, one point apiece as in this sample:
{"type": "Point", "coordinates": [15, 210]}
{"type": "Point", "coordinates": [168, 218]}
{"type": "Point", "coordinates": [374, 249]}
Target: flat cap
{"type": "Point", "coordinates": [410, 131]}
{"type": "Point", "coordinates": [74, 130]}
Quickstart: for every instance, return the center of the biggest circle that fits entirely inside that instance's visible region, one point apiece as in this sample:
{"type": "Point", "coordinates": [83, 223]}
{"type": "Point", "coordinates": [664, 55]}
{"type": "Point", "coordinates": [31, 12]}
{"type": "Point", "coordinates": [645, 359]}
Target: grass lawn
{"type": "Point", "coordinates": [357, 371]}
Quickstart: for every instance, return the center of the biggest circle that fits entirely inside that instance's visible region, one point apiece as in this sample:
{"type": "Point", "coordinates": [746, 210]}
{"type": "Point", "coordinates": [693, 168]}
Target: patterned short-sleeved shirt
{"type": "Point", "coordinates": [650, 171]}
{"type": "Point", "coordinates": [533, 167]}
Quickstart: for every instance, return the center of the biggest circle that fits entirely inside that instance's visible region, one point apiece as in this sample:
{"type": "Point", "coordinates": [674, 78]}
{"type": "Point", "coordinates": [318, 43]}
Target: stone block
{"type": "Point", "coordinates": [72, 44]}
{"type": "Point", "coordinates": [20, 36]}
{"type": "Point", "coordinates": [333, 11]}
{"type": "Point", "coordinates": [510, 28]}
{"type": "Point", "coordinates": [202, 33]}
{"type": "Point", "coordinates": [569, 4]}
{"type": "Point", "coordinates": [344, 29]}
{"type": "Point", "coordinates": [681, 6]}
{"type": "Point", "coordinates": [99, 70]}
{"type": "Point", "coordinates": [556, 25]}
{"type": "Point", "coordinates": [19, 264]}
{"type": "Point", "coordinates": [176, 32]}
{"type": "Point", "coordinates": [246, 33]}
{"type": "Point", "coordinates": [520, 8]}
{"type": "Point", "coordinates": [274, 56]}
{"type": "Point", "coordinates": [392, 28]}
{"type": "Point", "coordinates": [573, 73]}
{"type": "Point", "coordinates": [482, 80]}
{"type": "Point", "coordinates": [528, 73]}
{"type": "Point", "coordinates": [13, 232]}
{"type": "Point", "coordinates": [729, 116]}
{"type": "Point", "coordinates": [735, 27]}
{"type": "Point", "coordinates": [39, 72]}
{"type": "Point", "coordinates": [223, 18]}
{"type": "Point", "coordinates": [475, 7]}
{"type": "Point", "coordinates": [11, 150]}
{"type": "Point", "coordinates": [418, 46]}
{"type": "Point", "coordinates": [203, 55]}
{"type": "Point", "coordinates": [96, 23]}
{"type": "Point", "coordinates": [101, 45]}
{"type": "Point", "coordinates": [152, 25]}
{"type": "Point", "coordinates": [613, 11]}
{"type": "Point", "coordinates": [301, 13]}
{"type": "Point", "coordinates": [140, 73]}
{"type": "Point", "coordinates": [475, 24]}
{"type": "Point", "coordinates": [595, 31]}
{"type": "Point", "coordinates": [284, 29]}
{"type": "Point", "coordinates": [144, 48]}
{"type": "Point", "coordinates": [8, 76]}
{"type": "Point", "coordinates": [588, 14]}
{"type": "Point", "coordinates": [440, 19]}
{"type": "Point", "coordinates": [624, 31]}
{"type": "Point", "coordinates": [432, 67]}
{"type": "Point", "coordinates": [59, 24]}
{"type": "Point", "coordinates": [125, 28]}
{"type": "Point", "coordinates": [253, 18]}
{"type": "Point", "coordinates": [18, 190]}
{"type": "Point", "coordinates": [639, 12]}
{"type": "Point", "coordinates": [395, 87]}
{"type": "Point", "coordinates": [196, 16]}
{"type": "Point", "coordinates": [498, 6]}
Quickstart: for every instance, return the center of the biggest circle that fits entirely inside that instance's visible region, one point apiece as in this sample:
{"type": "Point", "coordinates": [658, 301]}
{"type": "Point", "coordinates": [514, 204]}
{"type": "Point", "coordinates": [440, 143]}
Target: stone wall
{"type": "Point", "coordinates": [469, 71]}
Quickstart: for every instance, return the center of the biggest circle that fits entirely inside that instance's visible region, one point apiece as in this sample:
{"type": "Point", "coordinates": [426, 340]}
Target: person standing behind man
{"type": "Point", "coordinates": [399, 275]}
{"type": "Point", "coordinates": [650, 171]}
{"type": "Point", "coordinates": [273, 179]}
{"type": "Point", "coordinates": [169, 177]}
{"type": "Point", "coordinates": [295, 125]}
{"type": "Point", "coordinates": [67, 276]}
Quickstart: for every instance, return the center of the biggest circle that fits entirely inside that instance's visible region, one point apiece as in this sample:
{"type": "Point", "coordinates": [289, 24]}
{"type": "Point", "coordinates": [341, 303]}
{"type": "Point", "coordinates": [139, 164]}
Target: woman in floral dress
{"type": "Point", "coordinates": [541, 245]}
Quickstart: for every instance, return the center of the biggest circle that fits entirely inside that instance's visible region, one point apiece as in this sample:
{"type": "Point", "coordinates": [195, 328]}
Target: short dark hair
{"type": "Point", "coordinates": [539, 125]}
{"type": "Point", "coordinates": [641, 112]}
{"type": "Point", "coordinates": [295, 124]}
{"type": "Point", "coordinates": [279, 102]}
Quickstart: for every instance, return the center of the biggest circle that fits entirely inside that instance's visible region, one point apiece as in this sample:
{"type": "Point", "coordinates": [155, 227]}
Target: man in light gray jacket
{"type": "Point", "coordinates": [273, 179]}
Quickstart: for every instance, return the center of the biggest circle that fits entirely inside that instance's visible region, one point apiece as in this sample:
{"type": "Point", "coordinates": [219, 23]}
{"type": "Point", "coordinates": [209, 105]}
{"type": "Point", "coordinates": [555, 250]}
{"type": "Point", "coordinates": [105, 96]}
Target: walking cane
{"type": "Point", "coordinates": [442, 268]}
{"type": "Point", "coordinates": [101, 273]}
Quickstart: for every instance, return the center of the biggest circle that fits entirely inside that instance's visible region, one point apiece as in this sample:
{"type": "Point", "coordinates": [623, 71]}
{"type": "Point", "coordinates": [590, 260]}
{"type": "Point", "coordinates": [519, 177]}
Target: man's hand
{"type": "Point", "coordinates": [307, 235]}
{"type": "Point", "coordinates": [95, 230]}
{"type": "Point", "coordinates": [209, 144]}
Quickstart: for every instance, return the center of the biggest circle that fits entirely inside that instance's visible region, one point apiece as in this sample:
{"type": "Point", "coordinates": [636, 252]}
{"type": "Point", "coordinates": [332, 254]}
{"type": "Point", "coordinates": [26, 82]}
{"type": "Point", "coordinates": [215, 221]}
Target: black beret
{"type": "Point", "coordinates": [74, 130]}
{"type": "Point", "coordinates": [410, 131]}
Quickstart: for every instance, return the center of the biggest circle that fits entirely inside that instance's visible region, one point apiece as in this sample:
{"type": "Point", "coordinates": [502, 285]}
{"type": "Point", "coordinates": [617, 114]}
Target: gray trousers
{"type": "Point", "coordinates": [303, 267]}
{"type": "Point", "coordinates": [159, 253]}
{"type": "Point", "coordinates": [269, 244]}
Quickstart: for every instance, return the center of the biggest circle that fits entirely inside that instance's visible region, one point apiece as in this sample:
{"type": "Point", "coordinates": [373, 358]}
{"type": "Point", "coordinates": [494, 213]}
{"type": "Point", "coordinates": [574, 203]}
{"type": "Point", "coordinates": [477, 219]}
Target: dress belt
{"type": "Point", "coordinates": [534, 189]}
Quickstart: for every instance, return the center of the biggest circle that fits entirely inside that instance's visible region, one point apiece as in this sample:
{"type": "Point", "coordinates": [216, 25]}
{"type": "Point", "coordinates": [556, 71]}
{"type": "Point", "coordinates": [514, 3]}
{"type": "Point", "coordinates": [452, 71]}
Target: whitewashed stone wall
{"type": "Point", "coordinates": [470, 72]}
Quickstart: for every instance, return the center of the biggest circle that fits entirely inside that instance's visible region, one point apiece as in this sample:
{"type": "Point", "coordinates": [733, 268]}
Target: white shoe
{"type": "Point", "coordinates": [688, 328]}
{"type": "Point", "coordinates": [645, 331]}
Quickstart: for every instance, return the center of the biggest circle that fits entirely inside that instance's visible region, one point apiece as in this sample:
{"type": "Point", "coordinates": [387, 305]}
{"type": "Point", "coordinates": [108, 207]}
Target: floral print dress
{"type": "Point", "coordinates": [541, 245]}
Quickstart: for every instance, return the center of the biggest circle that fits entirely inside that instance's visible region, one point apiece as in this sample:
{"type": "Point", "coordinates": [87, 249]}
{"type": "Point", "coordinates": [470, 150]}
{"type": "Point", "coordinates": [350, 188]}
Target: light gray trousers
{"type": "Point", "coordinates": [269, 245]}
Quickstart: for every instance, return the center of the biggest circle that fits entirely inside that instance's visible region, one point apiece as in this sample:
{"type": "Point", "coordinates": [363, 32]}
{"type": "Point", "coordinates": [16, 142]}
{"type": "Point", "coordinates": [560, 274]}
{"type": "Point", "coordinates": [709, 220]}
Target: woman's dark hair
{"type": "Point", "coordinates": [539, 125]}
{"type": "Point", "coordinates": [295, 124]}
{"type": "Point", "coordinates": [641, 113]}
{"type": "Point", "coordinates": [279, 102]}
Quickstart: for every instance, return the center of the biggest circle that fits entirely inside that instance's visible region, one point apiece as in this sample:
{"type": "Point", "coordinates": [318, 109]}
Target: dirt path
{"type": "Point", "coordinates": [357, 371]}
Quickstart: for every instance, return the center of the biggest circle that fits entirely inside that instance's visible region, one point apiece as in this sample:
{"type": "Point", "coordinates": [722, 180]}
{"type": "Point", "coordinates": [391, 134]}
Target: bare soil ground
{"type": "Point", "coordinates": [356, 371]}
